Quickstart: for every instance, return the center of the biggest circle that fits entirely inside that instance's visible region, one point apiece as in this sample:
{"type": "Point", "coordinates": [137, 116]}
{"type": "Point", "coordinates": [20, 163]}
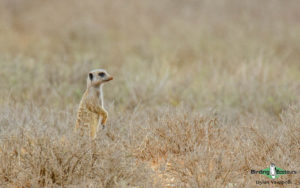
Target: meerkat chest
{"type": "Point", "coordinates": [95, 97]}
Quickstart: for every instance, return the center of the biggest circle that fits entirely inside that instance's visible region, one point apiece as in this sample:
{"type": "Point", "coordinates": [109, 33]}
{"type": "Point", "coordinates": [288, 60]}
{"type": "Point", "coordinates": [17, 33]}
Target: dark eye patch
{"type": "Point", "coordinates": [101, 74]}
{"type": "Point", "coordinates": [91, 76]}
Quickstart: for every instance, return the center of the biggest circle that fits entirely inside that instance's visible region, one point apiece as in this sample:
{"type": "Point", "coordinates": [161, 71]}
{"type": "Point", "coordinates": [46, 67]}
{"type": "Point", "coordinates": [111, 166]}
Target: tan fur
{"type": "Point", "coordinates": [91, 105]}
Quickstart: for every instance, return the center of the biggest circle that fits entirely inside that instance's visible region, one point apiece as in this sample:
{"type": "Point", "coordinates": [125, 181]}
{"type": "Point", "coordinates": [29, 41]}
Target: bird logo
{"type": "Point", "coordinates": [273, 171]}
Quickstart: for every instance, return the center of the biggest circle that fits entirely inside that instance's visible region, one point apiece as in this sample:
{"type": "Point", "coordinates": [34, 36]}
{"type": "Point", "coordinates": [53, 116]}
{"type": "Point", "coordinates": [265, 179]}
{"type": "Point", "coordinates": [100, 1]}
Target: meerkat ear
{"type": "Point", "coordinates": [91, 76]}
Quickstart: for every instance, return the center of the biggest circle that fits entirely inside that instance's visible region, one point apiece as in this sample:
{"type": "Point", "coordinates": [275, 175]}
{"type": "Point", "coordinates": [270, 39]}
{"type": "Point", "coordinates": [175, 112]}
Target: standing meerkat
{"type": "Point", "coordinates": [91, 106]}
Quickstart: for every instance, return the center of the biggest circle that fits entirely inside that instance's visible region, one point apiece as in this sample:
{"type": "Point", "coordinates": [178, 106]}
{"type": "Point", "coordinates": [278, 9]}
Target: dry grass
{"type": "Point", "coordinates": [204, 92]}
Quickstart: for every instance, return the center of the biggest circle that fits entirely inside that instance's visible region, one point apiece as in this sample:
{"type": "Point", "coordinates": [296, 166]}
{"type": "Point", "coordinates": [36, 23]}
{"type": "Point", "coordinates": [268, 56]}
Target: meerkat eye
{"type": "Point", "coordinates": [101, 74]}
{"type": "Point", "coordinates": [91, 76]}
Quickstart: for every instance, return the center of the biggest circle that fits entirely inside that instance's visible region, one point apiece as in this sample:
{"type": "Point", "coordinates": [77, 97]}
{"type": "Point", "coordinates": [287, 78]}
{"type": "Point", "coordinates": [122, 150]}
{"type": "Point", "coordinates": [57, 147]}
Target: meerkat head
{"type": "Point", "coordinates": [97, 77]}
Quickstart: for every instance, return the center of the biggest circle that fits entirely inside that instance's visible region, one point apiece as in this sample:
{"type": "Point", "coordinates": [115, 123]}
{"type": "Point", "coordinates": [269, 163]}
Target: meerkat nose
{"type": "Point", "coordinates": [110, 78]}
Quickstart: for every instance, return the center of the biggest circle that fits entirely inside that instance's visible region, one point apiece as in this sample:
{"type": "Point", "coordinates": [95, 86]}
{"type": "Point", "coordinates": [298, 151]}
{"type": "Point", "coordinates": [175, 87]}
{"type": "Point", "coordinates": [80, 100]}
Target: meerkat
{"type": "Point", "coordinates": [91, 106]}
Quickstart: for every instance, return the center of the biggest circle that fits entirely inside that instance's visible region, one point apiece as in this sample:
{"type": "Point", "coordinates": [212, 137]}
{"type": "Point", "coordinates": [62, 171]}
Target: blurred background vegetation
{"type": "Point", "coordinates": [229, 54]}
